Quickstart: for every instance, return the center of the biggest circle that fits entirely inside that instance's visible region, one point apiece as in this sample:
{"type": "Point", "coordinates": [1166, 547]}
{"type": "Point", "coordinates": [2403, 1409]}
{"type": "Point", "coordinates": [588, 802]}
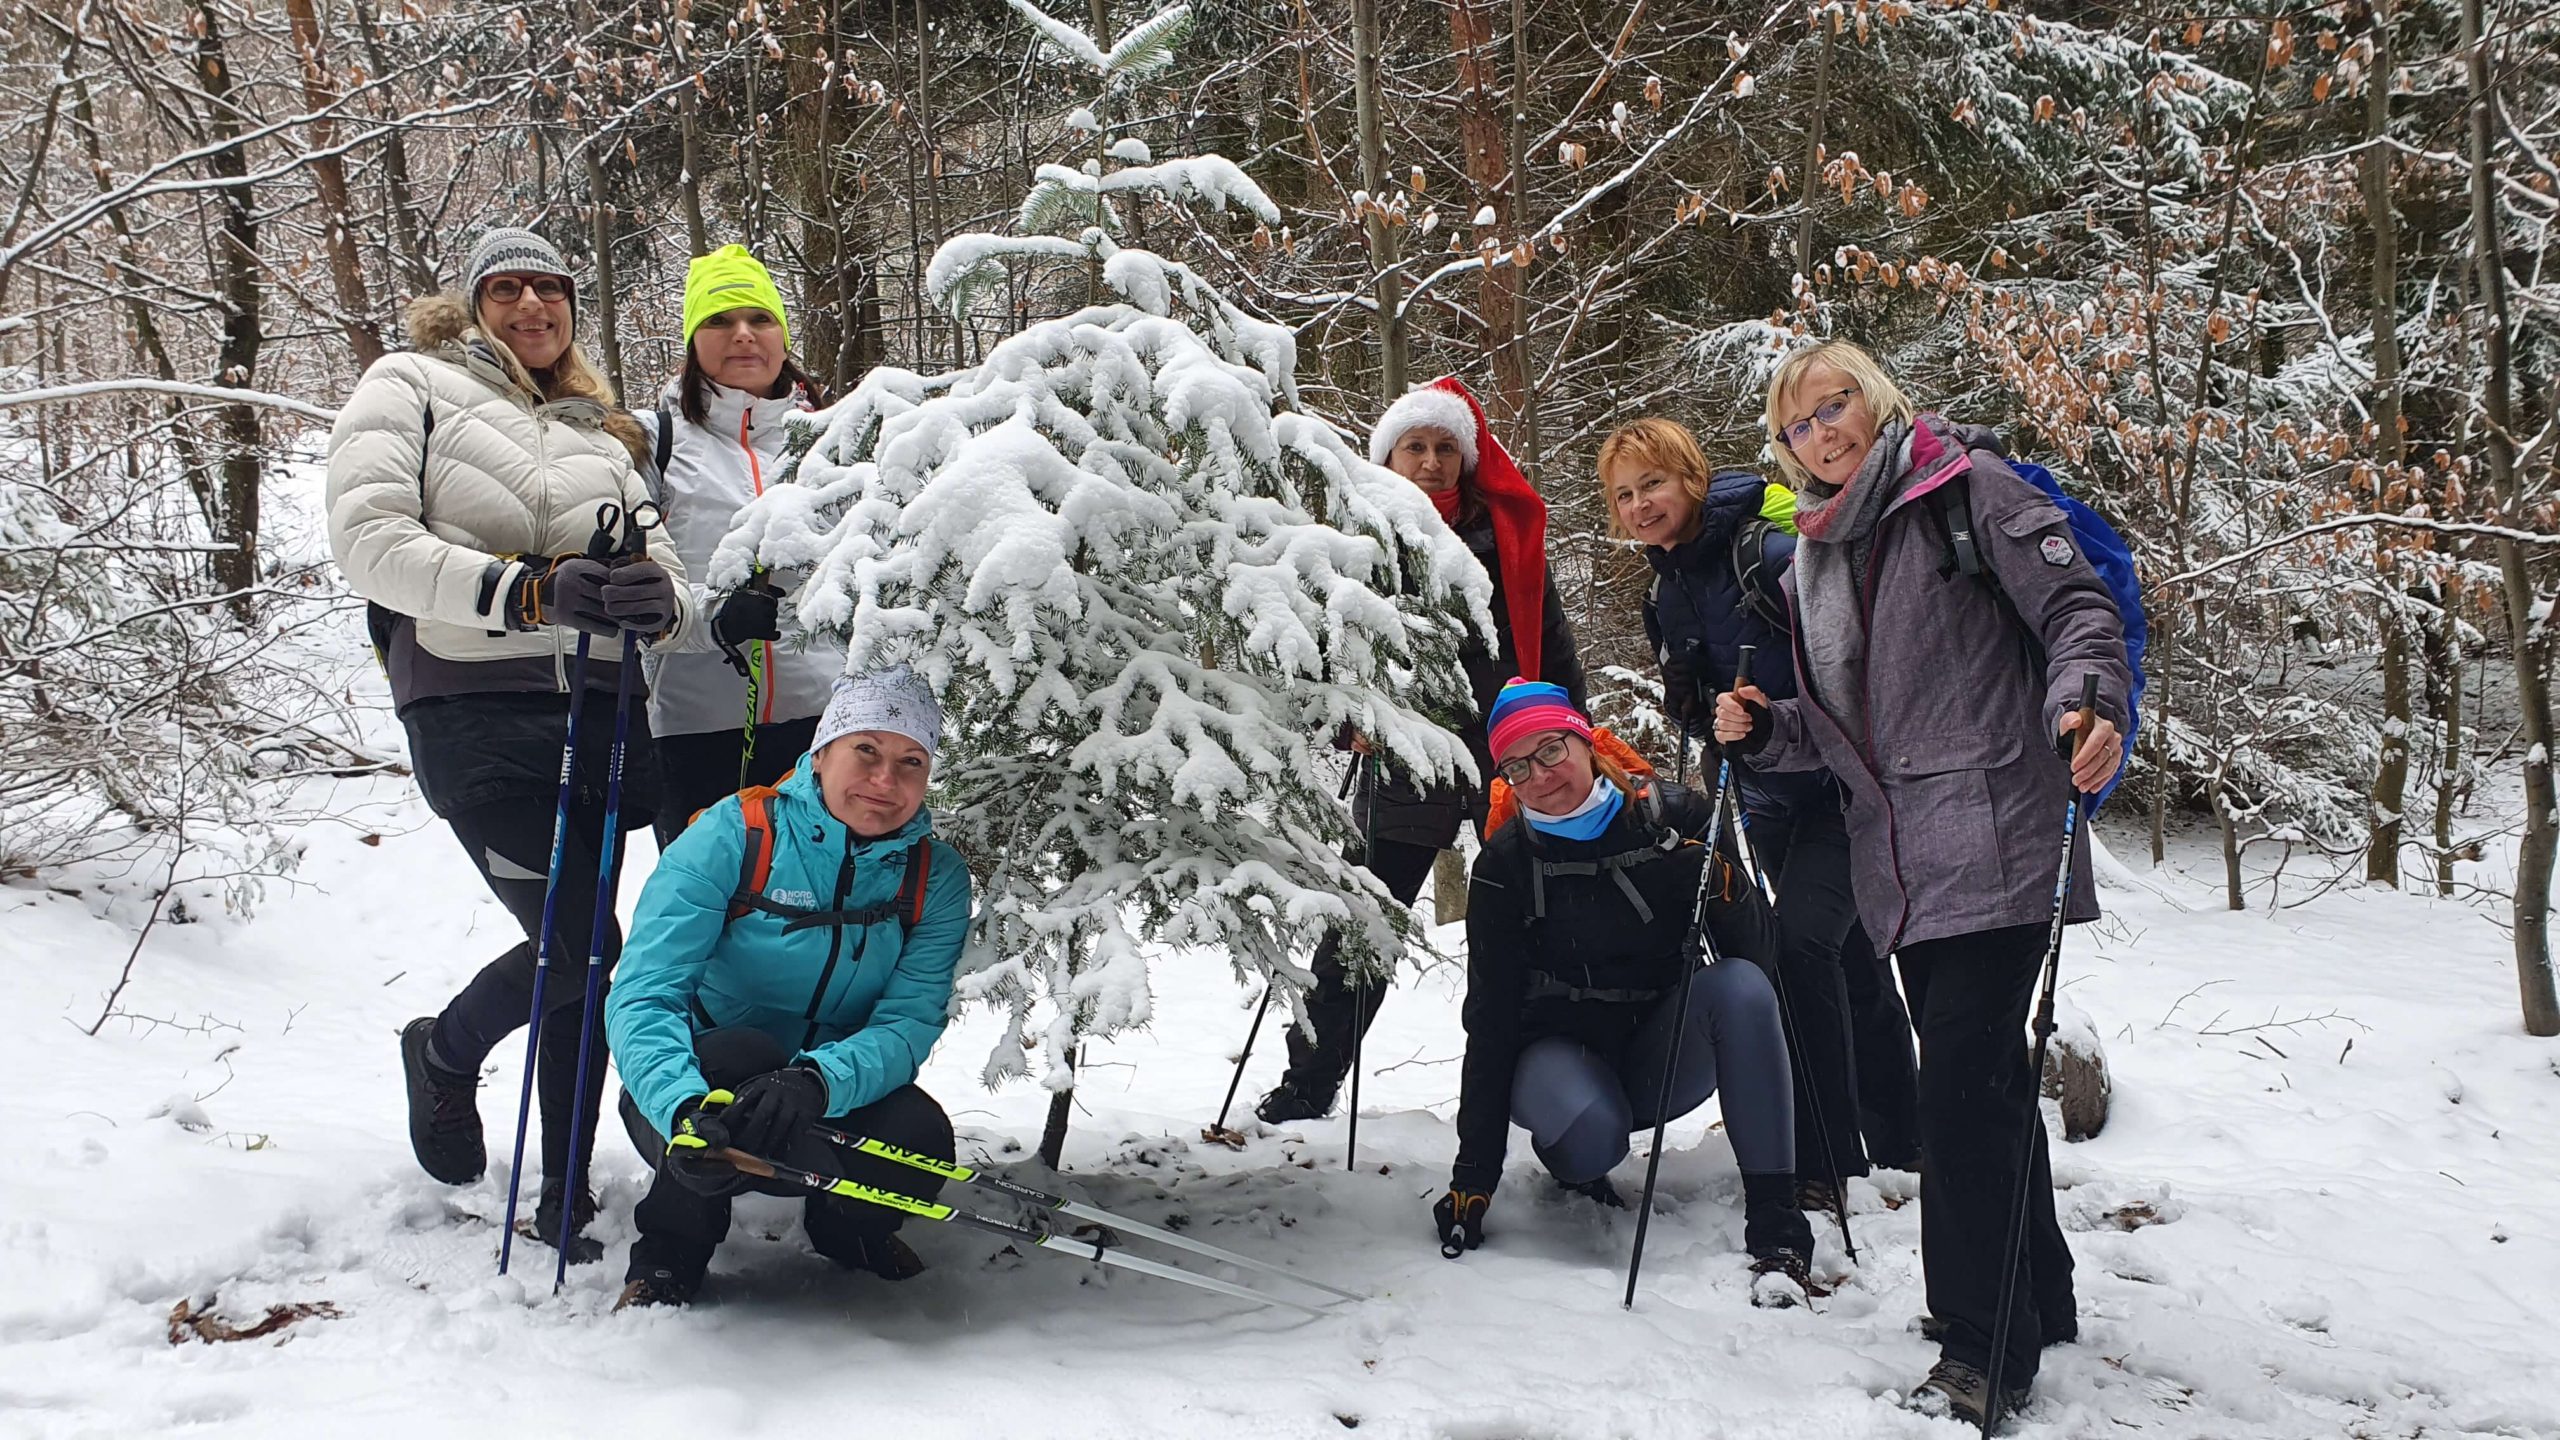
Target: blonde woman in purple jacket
{"type": "Point", "coordinates": [1941, 712]}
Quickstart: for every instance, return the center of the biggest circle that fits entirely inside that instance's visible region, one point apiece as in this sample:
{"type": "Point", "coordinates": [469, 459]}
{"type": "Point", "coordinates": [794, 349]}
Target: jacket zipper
{"type": "Point", "coordinates": [835, 945]}
{"type": "Point", "coordinates": [755, 481]}
{"type": "Point", "coordinates": [542, 531]}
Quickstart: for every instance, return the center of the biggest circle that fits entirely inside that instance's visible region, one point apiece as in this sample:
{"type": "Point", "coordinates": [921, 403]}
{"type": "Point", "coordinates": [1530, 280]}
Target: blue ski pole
{"type": "Point", "coordinates": [634, 542]}
{"type": "Point", "coordinates": [598, 544]}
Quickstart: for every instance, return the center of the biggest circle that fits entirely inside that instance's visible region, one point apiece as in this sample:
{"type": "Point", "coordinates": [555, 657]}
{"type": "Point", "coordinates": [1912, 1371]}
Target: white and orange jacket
{"type": "Point", "coordinates": [712, 470]}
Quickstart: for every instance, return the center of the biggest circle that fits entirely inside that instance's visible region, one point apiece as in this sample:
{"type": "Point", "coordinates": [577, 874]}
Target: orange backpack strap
{"type": "Point", "coordinates": [755, 861]}
{"type": "Point", "coordinates": [911, 889]}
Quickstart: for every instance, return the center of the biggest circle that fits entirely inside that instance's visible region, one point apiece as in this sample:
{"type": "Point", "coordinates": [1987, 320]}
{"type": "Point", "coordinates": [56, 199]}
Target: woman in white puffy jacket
{"type": "Point", "coordinates": [718, 438]}
{"type": "Point", "coordinates": [465, 478]}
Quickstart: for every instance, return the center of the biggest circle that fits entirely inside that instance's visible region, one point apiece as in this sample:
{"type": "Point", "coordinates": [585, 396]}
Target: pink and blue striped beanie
{"type": "Point", "coordinates": [1531, 707]}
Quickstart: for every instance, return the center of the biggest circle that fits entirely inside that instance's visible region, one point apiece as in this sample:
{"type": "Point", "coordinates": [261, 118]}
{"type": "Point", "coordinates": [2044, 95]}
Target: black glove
{"type": "Point", "coordinates": [751, 612]}
{"type": "Point", "coordinates": [1763, 725]}
{"type": "Point", "coordinates": [691, 1159]}
{"type": "Point", "coordinates": [773, 1108]}
{"type": "Point", "coordinates": [566, 591]}
{"type": "Point", "coordinates": [1459, 1219]}
{"type": "Point", "coordinates": [640, 598]}
{"type": "Point", "coordinates": [1688, 705]}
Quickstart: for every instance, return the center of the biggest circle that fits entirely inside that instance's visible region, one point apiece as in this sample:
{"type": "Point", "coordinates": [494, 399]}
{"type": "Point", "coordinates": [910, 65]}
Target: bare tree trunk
{"type": "Point", "coordinates": [689, 131]}
{"type": "Point", "coordinates": [2230, 836]}
{"type": "Point", "coordinates": [1524, 439]}
{"type": "Point", "coordinates": [1809, 182]}
{"type": "Point", "coordinates": [329, 176]}
{"type": "Point", "coordinates": [398, 193]}
{"type": "Point", "coordinates": [2391, 774]}
{"type": "Point", "coordinates": [1480, 133]}
{"type": "Point", "coordinates": [1365, 85]}
{"type": "Point", "coordinates": [2444, 687]}
{"type": "Point", "coordinates": [234, 519]}
{"type": "Point", "coordinates": [2532, 648]}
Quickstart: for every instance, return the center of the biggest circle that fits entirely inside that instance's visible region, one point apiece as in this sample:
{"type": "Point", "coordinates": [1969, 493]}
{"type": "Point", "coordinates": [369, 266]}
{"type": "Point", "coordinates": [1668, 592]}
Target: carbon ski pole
{"type": "Point", "coordinates": [963, 1175]}
{"type": "Point", "coordinates": [1036, 1234]}
{"type": "Point", "coordinates": [2049, 972]}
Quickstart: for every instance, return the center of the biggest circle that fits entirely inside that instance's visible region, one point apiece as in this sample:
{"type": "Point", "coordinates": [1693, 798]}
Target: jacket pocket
{"type": "Point", "coordinates": [1946, 825]}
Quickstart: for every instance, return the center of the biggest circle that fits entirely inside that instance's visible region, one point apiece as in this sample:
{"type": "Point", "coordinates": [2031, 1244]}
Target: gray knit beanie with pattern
{"type": "Point", "coordinates": [508, 250]}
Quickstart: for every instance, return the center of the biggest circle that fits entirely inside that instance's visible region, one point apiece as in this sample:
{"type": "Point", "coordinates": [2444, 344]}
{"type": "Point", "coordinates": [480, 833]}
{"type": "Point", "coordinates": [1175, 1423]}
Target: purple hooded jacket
{"type": "Point", "coordinates": [1956, 797]}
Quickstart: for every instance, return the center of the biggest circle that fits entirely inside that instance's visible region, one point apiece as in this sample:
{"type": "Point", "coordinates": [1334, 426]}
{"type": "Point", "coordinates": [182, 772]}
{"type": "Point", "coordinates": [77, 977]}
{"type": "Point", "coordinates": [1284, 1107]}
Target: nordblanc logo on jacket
{"type": "Point", "coordinates": [805, 899]}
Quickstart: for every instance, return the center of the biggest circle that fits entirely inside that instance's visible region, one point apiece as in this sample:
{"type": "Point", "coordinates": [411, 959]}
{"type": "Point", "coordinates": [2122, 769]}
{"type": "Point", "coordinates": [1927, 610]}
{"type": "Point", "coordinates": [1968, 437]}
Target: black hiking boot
{"type": "Point", "coordinates": [583, 1250]}
{"type": "Point", "coordinates": [658, 1285]}
{"type": "Point", "coordinates": [1292, 1100]}
{"type": "Point", "coordinates": [1771, 1223]}
{"type": "Point", "coordinates": [1966, 1392]}
{"type": "Point", "coordinates": [885, 1256]}
{"type": "Point", "coordinates": [1599, 1191]}
{"type": "Point", "coordinates": [444, 1111]}
{"type": "Point", "coordinates": [1783, 1277]}
{"type": "Point", "coordinates": [1818, 1196]}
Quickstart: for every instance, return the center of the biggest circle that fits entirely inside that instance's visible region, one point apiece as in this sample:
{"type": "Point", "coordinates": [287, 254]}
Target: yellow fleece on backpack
{"type": "Point", "coordinates": [1778, 507]}
{"type": "Point", "coordinates": [730, 279]}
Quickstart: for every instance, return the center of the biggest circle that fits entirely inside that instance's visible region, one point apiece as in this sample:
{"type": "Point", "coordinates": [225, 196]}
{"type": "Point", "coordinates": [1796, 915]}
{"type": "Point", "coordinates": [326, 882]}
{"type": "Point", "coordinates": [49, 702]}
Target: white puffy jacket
{"type": "Point", "coordinates": [428, 524]}
{"type": "Point", "coordinates": [713, 469]}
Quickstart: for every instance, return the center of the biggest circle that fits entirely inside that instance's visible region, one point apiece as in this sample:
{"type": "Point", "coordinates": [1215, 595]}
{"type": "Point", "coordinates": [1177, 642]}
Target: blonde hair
{"type": "Point", "coordinates": [1665, 445]}
{"type": "Point", "coordinates": [572, 376]}
{"type": "Point", "coordinates": [1885, 399]}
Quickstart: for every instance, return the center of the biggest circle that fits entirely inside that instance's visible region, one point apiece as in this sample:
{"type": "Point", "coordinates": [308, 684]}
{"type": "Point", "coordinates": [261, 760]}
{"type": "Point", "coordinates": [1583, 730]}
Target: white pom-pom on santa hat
{"type": "Point", "coordinates": [1437, 408]}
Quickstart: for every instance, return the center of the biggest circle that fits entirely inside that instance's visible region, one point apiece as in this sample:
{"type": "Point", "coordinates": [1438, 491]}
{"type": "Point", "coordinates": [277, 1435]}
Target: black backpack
{"type": "Point", "coordinates": [1750, 558]}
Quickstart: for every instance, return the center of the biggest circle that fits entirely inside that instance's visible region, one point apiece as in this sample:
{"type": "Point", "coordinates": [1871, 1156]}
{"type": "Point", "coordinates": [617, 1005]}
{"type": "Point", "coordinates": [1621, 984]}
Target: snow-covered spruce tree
{"type": "Point", "coordinates": [1148, 587]}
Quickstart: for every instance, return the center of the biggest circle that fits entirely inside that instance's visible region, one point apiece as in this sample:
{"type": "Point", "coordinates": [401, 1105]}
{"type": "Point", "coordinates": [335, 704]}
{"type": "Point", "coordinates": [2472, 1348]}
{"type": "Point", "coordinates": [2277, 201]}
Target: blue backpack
{"type": "Point", "coordinates": [2106, 552]}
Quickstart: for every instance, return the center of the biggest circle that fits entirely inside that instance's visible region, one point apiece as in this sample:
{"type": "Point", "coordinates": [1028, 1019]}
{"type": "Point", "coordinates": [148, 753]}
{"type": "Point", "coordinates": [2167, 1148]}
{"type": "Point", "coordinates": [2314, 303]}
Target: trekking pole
{"type": "Point", "coordinates": [636, 525]}
{"type": "Point", "coordinates": [1360, 993]}
{"type": "Point", "coordinates": [599, 545]}
{"type": "Point", "coordinates": [1799, 1063]}
{"type": "Point", "coordinates": [1697, 937]}
{"type": "Point", "coordinates": [751, 661]}
{"type": "Point", "coordinates": [1349, 774]}
{"type": "Point", "coordinates": [2049, 971]}
{"type": "Point", "coordinates": [1037, 1233]}
{"type": "Point", "coordinates": [964, 1175]}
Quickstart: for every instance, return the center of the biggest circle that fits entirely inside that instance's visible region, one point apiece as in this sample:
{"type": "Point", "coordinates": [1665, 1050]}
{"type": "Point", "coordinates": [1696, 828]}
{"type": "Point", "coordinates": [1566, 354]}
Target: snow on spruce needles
{"type": "Point", "coordinates": [1147, 586]}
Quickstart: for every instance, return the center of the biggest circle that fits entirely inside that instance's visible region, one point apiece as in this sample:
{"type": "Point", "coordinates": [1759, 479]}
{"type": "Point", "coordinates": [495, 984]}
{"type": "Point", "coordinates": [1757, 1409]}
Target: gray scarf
{"type": "Point", "coordinates": [1836, 543]}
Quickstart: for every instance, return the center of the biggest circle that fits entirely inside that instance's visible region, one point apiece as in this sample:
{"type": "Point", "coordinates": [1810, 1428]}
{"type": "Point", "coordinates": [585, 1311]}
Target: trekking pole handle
{"type": "Point", "coordinates": [747, 1163]}
{"type": "Point", "coordinates": [2088, 707]}
{"type": "Point", "coordinates": [1742, 667]}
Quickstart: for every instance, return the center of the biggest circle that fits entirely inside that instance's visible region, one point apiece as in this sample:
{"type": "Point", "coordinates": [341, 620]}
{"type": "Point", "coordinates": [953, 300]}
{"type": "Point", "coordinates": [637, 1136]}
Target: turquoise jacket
{"type": "Point", "coordinates": [862, 1003]}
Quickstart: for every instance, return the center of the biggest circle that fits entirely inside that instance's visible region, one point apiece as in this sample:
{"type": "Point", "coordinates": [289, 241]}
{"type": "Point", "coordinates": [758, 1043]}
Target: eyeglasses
{"type": "Point", "coordinates": [507, 289]}
{"type": "Point", "coordinates": [1828, 412]}
{"type": "Point", "coordinates": [1546, 757]}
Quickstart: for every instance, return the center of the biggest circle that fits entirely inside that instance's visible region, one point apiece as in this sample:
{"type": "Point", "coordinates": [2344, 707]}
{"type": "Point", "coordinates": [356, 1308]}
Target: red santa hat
{"type": "Point", "coordinates": [1449, 410]}
{"type": "Point", "coordinates": [1494, 480]}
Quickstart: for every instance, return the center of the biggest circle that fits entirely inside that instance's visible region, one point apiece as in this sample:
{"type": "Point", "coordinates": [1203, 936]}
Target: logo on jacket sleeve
{"type": "Point", "coordinates": [2057, 551]}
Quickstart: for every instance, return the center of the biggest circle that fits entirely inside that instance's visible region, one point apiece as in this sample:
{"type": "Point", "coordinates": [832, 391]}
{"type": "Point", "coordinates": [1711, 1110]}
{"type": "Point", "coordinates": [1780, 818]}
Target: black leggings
{"type": "Point", "coordinates": [699, 771]}
{"type": "Point", "coordinates": [1335, 1006]}
{"type": "Point", "coordinates": [510, 842]}
{"type": "Point", "coordinates": [680, 1226]}
{"type": "Point", "coordinates": [1579, 1106]}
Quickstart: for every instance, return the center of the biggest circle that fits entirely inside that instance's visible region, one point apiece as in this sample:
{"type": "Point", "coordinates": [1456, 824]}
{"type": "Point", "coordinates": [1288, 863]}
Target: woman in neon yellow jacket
{"type": "Point", "coordinates": [794, 950]}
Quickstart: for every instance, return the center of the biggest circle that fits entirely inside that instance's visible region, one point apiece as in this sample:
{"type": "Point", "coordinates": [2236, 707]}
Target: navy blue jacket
{"type": "Point", "coordinates": [1694, 616]}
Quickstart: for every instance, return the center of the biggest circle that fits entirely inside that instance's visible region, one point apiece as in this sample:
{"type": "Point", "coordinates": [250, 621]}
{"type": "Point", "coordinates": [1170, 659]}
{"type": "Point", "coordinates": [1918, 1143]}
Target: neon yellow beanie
{"type": "Point", "coordinates": [729, 279]}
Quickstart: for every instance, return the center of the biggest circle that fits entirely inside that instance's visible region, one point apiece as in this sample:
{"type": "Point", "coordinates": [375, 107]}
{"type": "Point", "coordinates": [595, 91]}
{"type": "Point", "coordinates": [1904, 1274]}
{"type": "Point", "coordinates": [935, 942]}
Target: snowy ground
{"type": "Point", "coordinates": [2353, 1212]}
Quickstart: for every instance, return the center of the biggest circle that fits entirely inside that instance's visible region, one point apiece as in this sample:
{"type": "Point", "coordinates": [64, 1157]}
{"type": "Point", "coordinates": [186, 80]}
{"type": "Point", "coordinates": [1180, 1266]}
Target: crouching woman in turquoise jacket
{"type": "Point", "coordinates": [787, 968]}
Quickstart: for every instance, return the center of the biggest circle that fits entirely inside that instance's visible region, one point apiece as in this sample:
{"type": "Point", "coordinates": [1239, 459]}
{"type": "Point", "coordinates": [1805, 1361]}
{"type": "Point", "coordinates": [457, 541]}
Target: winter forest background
{"type": "Point", "coordinates": [2272, 285]}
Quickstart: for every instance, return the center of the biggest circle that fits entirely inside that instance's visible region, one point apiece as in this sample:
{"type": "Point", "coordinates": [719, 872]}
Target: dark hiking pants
{"type": "Point", "coordinates": [680, 1227]}
{"type": "Point", "coordinates": [1977, 1107]}
{"type": "Point", "coordinates": [1335, 1007]}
